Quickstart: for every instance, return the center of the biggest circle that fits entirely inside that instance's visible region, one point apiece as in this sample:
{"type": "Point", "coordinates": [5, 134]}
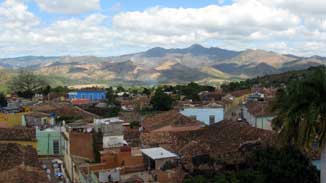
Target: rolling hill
{"type": "Point", "coordinates": [159, 65]}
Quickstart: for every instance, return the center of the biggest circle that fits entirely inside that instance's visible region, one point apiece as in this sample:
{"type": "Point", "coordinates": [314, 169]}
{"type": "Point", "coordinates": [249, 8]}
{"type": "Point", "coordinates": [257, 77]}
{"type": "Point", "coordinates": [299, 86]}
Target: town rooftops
{"type": "Point", "coordinates": [169, 118]}
{"type": "Point", "coordinates": [37, 114]}
{"type": "Point", "coordinates": [108, 120]}
{"type": "Point", "coordinates": [259, 109]}
{"type": "Point", "coordinates": [20, 164]}
{"type": "Point", "coordinates": [158, 153]}
{"type": "Point", "coordinates": [90, 89]}
{"type": "Point", "coordinates": [223, 138]}
{"type": "Point", "coordinates": [240, 93]}
{"type": "Point", "coordinates": [19, 134]}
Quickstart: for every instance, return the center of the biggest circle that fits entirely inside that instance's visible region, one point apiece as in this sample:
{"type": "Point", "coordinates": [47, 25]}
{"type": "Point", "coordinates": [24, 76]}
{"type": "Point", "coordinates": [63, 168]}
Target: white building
{"type": "Point", "coordinates": [205, 114]}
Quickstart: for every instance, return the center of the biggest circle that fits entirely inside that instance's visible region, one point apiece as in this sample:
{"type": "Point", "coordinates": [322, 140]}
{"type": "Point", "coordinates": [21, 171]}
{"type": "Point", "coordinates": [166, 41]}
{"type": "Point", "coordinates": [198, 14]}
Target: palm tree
{"type": "Point", "coordinates": [301, 113]}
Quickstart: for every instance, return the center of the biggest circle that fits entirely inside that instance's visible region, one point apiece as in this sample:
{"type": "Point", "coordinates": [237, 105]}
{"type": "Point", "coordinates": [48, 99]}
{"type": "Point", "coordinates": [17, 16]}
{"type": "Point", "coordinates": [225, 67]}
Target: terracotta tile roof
{"type": "Point", "coordinates": [13, 155]}
{"type": "Point", "coordinates": [240, 93]}
{"type": "Point", "coordinates": [20, 134]}
{"type": "Point", "coordinates": [132, 136]}
{"type": "Point", "coordinates": [24, 174]}
{"type": "Point", "coordinates": [224, 138]}
{"type": "Point", "coordinates": [259, 109]}
{"type": "Point", "coordinates": [171, 128]}
{"type": "Point", "coordinates": [38, 114]}
{"type": "Point", "coordinates": [169, 118]}
{"type": "Point", "coordinates": [63, 109]}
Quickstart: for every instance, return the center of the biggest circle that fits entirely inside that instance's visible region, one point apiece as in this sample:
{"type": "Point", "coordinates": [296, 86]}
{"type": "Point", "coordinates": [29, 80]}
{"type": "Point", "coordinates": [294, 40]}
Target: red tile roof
{"type": "Point", "coordinates": [13, 155]}
{"type": "Point", "coordinates": [259, 108]}
{"type": "Point", "coordinates": [170, 118]}
{"type": "Point", "coordinates": [24, 174]}
{"type": "Point", "coordinates": [240, 93]}
{"type": "Point", "coordinates": [223, 138]}
{"type": "Point", "coordinates": [19, 134]}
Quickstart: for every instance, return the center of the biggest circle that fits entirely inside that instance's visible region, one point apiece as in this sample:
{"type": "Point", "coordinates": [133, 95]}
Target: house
{"type": "Point", "coordinates": [109, 126]}
{"type": "Point", "coordinates": [239, 96]}
{"type": "Point", "coordinates": [9, 120]}
{"type": "Point", "coordinates": [112, 131]}
{"type": "Point", "coordinates": [123, 157]}
{"type": "Point", "coordinates": [256, 97]}
{"type": "Point", "coordinates": [38, 119]}
{"type": "Point", "coordinates": [211, 95]}
{"type": "Point", "coordinates": [49, 142]}
{"type": "Point", "coordinates": [155, 158]}
{"type": "Point", "coordinates": [227, 141]}
{"type": "Point", "coordinates": [162, 163]}
{"type": "Point", "coordinates": [113, 142]}
{"type": "Point", "coordinates": [81, 137]}
{"type": "Point", "coordinates": [22, 136]}
{"type": "Point", "coordinates": [208, 114]}
{"type": "Point", "coordinates": [78, 148]}
{"type": "Point", "coordinates": [11, 109]}
{"type": "Point", "coordinates": [258, 114]}
{"type": "Point", "coordinates": [170, 121]}
{"type": "Point", "coordinates": [91, 95]}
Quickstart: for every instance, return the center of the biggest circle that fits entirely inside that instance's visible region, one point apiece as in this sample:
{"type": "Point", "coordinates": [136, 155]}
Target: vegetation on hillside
{"type": "Point", "coordinates": [275, 80]}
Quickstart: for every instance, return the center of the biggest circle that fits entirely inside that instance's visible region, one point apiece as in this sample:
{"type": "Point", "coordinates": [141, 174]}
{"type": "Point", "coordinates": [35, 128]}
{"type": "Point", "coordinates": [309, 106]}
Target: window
{"type": "Point", "coordinates": [211, 119]}
{"type": "Point", "coordinates": [56, 147]}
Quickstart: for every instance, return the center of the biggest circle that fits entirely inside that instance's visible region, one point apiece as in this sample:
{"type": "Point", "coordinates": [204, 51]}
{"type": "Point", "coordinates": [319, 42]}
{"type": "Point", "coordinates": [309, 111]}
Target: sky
{"type": "Point", "coordinates": [115, 27]}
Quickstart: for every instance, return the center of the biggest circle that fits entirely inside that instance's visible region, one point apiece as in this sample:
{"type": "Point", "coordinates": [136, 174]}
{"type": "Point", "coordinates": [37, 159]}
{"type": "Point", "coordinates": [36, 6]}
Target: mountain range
{"type": "Point", "coordinates": [159, 65]}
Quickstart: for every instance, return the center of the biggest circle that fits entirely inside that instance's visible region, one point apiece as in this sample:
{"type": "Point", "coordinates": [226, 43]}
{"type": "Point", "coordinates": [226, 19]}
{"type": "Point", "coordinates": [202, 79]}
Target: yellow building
{"type": "Point", "coordinates": [22, 136]}
{"type": "Point", "coordinates": [11, 120]}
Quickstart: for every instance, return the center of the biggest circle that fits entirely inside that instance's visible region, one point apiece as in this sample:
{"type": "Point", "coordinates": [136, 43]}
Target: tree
{"type": "Point", "coordinates": [26, 84]}
{"type": "Point", "coordinates": [161, 101]}
{"type": "Point", "coordinates": [3, 100]}
{"type": "Point", "coordinates": [301, 113]}
{"type": "Point", "coordinates": [267, 165]}
{"type": "Point", "coordinates": [147, 91]}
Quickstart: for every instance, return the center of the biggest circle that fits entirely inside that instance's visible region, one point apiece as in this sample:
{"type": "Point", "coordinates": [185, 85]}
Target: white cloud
{"type": "Point", "coordinates": [212, 22]}
{"type": "Point", "coordinates": [68, 6]}
{"type": "Point", "coordinates": [272, 25]}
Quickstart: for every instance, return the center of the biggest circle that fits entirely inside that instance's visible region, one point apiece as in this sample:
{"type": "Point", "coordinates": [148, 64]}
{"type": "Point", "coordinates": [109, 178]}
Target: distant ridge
{"type": "Point", "coordinates": [160, 65]}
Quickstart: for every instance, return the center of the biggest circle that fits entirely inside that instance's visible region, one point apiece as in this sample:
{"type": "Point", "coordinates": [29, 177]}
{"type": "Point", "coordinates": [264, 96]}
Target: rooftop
{"type": "Point", "coordinates": [158, 153]}
{"type": "Point", "coordinates": [13, 155]}
{"type": "Point", "coordinates": [169, 118]}
{"type": "Point", "coordinates": [240, 93]}
{"type": "Point", "coordinates": [259, 108]}
{"type": "Point", "coordinates": [37, 114]}
{"type": "Point", "coordinates": [223, 138]}
{"type": "Point", "coordinates": [108, 120]}
{"type": "Point", "coordinates": [20, 134]}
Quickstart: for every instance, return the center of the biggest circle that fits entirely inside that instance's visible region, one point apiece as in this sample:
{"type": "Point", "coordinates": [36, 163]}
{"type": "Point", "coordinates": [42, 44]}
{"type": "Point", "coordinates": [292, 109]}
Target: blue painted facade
{"type": "Point", "coordinates": [206, 115]}
{"type": "Point", "coordinates": [90, 95]}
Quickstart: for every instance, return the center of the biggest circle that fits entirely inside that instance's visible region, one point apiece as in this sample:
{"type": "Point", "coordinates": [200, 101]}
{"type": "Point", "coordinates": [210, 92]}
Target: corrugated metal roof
{"type": "Point", "coordinates": [158, 153]}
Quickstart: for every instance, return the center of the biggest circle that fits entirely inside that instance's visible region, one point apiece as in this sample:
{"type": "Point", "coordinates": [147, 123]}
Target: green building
{"type": "Point", "coordinates": [49, 142]}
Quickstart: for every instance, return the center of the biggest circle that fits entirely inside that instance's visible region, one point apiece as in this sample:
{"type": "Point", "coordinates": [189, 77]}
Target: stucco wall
{"type": "Point", "coordinates": [45, 141]}
{"type": "Point", "coordinates": [81, 144]}
{"type": "Point", "coordinates": [202, 114]}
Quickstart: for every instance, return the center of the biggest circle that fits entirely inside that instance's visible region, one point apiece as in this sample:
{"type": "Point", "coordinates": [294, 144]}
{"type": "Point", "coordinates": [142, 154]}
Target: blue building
{"type": "Point", "coordinates": [92, 95]}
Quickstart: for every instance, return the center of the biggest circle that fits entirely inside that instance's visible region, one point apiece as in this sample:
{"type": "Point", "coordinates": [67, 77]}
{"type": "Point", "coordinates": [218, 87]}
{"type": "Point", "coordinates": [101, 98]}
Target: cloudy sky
{"type": "Point", "coordinates": [114, 27]}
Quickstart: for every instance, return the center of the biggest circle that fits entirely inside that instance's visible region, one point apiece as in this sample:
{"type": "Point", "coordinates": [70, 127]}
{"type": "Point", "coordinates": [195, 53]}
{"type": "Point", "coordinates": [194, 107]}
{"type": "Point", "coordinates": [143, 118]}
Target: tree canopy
{"type": "Point", "coordinates": [301, 109]}
{"type": "Point", "coordinates": [161, 101]}
{"type": "Point", "coordinates": [26, 84]}
{"type": "Point", "coordinates": [3, 100]}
